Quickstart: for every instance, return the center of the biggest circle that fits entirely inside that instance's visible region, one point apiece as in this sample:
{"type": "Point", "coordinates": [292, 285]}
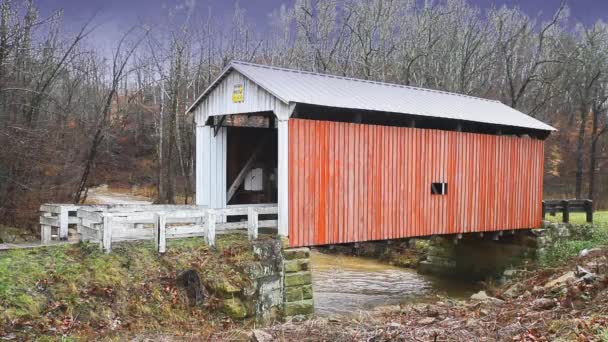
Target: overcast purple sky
{"type": "Point", "coordinates": [116, 16]}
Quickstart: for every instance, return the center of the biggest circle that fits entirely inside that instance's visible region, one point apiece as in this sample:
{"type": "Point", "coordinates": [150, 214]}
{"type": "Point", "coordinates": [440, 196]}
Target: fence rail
{"type": "Point", "coordinates": [568, 206]}
{"type": "Point", "coordinates": [105, 224]}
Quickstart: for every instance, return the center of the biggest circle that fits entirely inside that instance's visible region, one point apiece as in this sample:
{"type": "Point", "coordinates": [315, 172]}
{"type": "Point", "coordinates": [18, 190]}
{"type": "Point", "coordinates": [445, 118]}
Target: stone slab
{"type": "Point", "coordinates": [298, 278]}
{"type": "Point", "coordinates": [296, 253]}
{"type": "Point", "coordinates": [303, 307]}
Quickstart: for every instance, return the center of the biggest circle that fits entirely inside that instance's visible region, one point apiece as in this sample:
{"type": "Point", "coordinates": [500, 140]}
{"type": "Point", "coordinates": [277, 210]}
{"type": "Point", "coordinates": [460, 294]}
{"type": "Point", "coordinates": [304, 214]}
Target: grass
{"type": "Point", "coordinates": [603, 335]}
{"type": "Point", "coordinates": [78, 290]}
{"type": "Point", "coordinates": [599, 217]}
{"type": "Point", "coordinates": [582, 236]}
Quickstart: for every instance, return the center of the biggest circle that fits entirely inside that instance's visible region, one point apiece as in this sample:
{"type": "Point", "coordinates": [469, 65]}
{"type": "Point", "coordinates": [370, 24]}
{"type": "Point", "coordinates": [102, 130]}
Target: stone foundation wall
{"type": "Point", "coordinates": [281, 285]}
{"type": "Point", "coordinates": [259, 295]}
{"type": "Point", "coordinates": [266, 275]}
{"type": "Point", "coordinates": [477, 257]}
{"type": "Point", "coordinates": [297, 292]}
{"type": "Point", "coordinates": [551, 233]}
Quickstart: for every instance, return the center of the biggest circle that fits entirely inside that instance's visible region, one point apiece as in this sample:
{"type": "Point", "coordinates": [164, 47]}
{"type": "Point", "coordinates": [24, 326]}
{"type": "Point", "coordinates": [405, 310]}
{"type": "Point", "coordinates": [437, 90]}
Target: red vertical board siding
{"type": "Point", "coordinates": [355, 182]}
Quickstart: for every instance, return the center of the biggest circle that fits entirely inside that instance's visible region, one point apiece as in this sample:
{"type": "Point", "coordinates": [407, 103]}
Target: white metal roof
{"type": "Point", "coordinates": [295, 86]}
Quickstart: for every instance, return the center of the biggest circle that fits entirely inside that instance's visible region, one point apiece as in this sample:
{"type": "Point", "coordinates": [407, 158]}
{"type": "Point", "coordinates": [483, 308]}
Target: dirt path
{"type": "Point", "coordinates": [103, 195]}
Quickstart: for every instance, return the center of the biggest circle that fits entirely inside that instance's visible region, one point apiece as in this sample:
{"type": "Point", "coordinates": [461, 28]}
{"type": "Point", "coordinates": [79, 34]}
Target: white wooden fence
{"type": "Point", "coordinates": [56, 216]}
{"type": "Point", "coordinates": [113, 223]}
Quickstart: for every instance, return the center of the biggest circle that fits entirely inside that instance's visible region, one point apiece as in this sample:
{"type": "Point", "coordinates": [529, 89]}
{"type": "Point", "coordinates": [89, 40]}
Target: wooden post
{"type": "Point", "coordinates": [252, 220]}
{"type": "Point", "coordinates": [63, 223]}
{"type": "Point", "coordinates": [162, 234]}
{"type": "Point", "coordinates": [211, 227]}
{"type": "Point", "coordinates": [565, 211]}
{"type": "Point", "coordinates": [79, 226]}
{"type": "Point", "coordinates": [107, 234]}
{"type": "Point", "coordinates": [589, 210]}
{"type": "Point", "coordinates": [156, 218]}
{"type": "Point", "coordinates": [544, 210]}
{"type": "Point", "coordinates": [45, 231]}
{"type": "Point", "coordinates": [283, 177]}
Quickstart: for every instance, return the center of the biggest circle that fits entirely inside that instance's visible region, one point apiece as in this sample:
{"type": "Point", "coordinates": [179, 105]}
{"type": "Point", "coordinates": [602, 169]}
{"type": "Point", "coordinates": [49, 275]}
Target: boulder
{"type": "Point", "coordinates": [261, 336]}
{"type": "Point", "coordinates": [431, 311]}
{"type": "Point", "coordinates": [586, 251]}
{"type": "Point", "coordinates": [538, 290]}
{"type": "Point", "coordinates": [507, 333]}
{"type": "Point", "coordinates": [191, 281]}
{"type": "Point", "coordinates": [543, 304]}
{"type": "Point", "coordinates": [471, 323]}
{"type": "Point", "coordinates": [563, 279]}
{"type": "Point", "coordinates": [426, 321]}
{"type": "Point", "coordinates": [514, 291]}
{"type": "Point", "coordinates": [482, 296]}
{"type": "Point", "coordinates": [581, 271]}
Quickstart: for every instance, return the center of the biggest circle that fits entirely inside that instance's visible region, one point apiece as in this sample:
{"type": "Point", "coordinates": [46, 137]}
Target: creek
{"type": "Point", "coordinates": [345, 285]}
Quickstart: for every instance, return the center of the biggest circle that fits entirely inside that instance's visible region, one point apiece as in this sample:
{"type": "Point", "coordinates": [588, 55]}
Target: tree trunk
{"type": "Point", "coordinates": [579, 154]}
{"type": "Point", "coordinates": [593, 152]}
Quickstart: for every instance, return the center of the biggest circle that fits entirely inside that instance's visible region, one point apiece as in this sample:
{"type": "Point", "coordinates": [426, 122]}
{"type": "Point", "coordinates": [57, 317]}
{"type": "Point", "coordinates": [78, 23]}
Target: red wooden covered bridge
{"type": "Point", "coordinates": [350, 160]}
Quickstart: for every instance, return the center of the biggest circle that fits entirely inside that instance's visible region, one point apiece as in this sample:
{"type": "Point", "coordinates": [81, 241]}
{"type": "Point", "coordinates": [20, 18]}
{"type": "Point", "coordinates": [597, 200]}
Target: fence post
{"type": "Point", "coordinates": [45, 231]}
{"type": "Point", "coordinates": [589, 210]}
{"type": "Point", "coordinates": [544, 210]}
{"type": "Point", "coordinates": [79, 226]}
{"type": "Point", "coordinates": [252, 223]}
{"type": "Point", "coordinates": [162, 234]}
{"type": "Point", "coordinates": [211, 227]}
{"type": "Point", "coordinates": [63, 223]}
{"type": "Point", "coordinates": [565, 211]}
{"type": "Point", "coordinates": [107, 234]}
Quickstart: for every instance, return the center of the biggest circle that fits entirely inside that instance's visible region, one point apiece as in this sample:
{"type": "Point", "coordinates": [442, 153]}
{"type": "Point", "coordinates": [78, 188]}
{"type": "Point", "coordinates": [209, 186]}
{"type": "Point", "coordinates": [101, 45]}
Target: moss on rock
{"type": "Point", "coordinates": [234, 308]}
{"type": "Point", "coordinates": [303, 307]}
{"type": "Point", "coordinates": [296, 253]}
{"type": "Point", "coordinates": [298, 278]}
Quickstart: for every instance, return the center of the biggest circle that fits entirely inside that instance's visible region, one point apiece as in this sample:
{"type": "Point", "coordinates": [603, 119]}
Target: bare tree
{"type": "Point", "coordinates": [119, 63]}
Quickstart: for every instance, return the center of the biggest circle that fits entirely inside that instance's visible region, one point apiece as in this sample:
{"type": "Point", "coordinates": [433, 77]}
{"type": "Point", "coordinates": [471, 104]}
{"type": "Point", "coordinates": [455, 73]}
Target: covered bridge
{"type": "Point", "coordinates": [350, 160]}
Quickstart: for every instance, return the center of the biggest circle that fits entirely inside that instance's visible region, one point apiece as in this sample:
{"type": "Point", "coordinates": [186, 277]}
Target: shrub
{"type": "Point", "coordinates": [581, 237]}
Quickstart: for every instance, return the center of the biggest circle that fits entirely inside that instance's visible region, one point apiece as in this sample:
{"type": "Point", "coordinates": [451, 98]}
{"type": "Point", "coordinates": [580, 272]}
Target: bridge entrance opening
{"type": "Point", "coordinates": [251, 160]}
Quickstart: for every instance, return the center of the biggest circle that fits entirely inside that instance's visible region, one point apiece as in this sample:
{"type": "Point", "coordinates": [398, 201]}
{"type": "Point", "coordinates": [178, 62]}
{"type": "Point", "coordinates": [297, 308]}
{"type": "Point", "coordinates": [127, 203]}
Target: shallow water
{"type": "Point", "coordinates": [345, 285]}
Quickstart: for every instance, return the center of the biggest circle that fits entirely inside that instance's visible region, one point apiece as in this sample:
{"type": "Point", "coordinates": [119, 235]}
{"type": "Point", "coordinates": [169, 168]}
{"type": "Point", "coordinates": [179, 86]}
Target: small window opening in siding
{"type": "Point", "coordinates": [439, 188]}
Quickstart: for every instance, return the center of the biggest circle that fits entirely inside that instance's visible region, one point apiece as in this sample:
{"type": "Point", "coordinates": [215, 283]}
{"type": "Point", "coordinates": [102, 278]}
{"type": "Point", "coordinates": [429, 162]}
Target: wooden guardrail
{"type": "Point", "coordinates": [56, 218]}
{"type": "Point", "coordinates": [568, 206]}
{"type": "Point", "coordinates": [159, 223]}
